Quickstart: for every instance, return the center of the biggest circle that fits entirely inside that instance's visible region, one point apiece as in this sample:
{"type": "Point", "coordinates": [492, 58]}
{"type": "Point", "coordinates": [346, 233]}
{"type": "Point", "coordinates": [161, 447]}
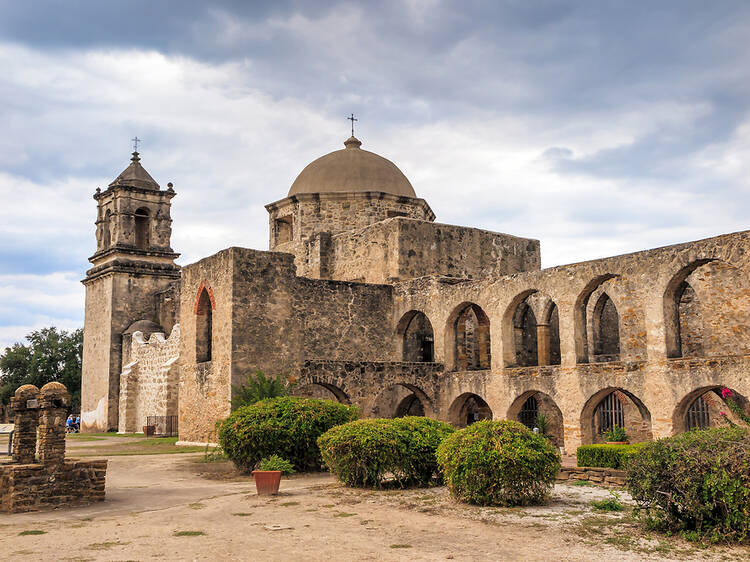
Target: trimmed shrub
{"type": "Point", "coordinates": [366, 452]}
{"type": "Point", "coordinates": [607, 456]}
{"type": "Point", "coordinates": [498, 463]}
{"type": "Point", "coordinates": [287, 426]}
{"type": "Point", "coordinates": [696, 483]}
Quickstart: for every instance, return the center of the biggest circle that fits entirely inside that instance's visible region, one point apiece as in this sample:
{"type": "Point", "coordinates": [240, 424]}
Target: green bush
{"type": "Point", "coordinates": [275, 462]}
{"type": "Point", "coordinates": [696, 483]}
{"type": "Point", "coordinates": [258, 387]}
{"type": "Point", "coordinates": [287, 426]}
{"type": "Point", "coordinates": [366, 452]}
{"type": "Point", "coordinates": [615, 433]}
{"type": "Point", "coordinates": [498, 463]}
{"type": "Point", "coordinates": [607, 456]}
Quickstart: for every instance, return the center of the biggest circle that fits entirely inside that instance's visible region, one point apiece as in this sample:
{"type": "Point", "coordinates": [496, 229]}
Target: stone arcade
{"type": "Point", "coordinates": [364, 299]}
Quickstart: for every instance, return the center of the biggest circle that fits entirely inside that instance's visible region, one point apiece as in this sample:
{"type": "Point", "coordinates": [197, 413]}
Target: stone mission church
{"type": "Point", "coordinates": [364, 299]}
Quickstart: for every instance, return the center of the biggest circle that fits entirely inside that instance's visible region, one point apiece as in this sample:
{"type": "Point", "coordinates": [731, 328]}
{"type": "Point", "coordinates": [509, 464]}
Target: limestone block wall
{"type": "Point", "coordinates": [149, 384]}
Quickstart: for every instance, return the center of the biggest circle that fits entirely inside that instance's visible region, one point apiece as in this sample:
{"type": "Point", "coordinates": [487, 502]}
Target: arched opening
{"type": "Point", "coordinates": [106, 230]}
{"type": "Point", "coordinates": [469, 408]}
{"type": "Point", "coordinates": [470, 328]}
{"type": "Point", "coordinates": [322, 391]}
{"type": "Point", "coordinates": [142, 228]}
{"type": "Point", "coordinates": [203, 327]}
{"type": "Point", "coordinates": [683, 321]}
{"type": "Point", "coordinates": [418, 339]}
{"type": "Point", "coordinates": [400, 400]}
{"type": "Point", "coordinates": [615, 406]}
{"type": "Point", "coordinates": [527, 409]}
{"type": "Point", "coordinates": [536, 335]}
{"type": "Point", "coordinates": [606, 324]}
{"type": "Point", "coordinates": [584, 333]}
{"type": "Point", "coordinates": [704, 408]}
{"type": "Point", "coordinates": [524, 330]}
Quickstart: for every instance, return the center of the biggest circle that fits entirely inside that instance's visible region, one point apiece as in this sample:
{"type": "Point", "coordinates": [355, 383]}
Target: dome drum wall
{"type": "Point", "coordinates": [300, 217]}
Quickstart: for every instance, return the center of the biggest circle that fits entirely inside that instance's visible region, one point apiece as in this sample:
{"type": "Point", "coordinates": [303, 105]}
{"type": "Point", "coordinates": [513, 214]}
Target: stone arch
{"type": "Point", "coordinates": [533, 322]}
{"type": "Point", "coordinates": [142, 218]}
{"type": "Point", "coordinates": [683, 326]}
{"type": "Point", "coordinates": [416, 337]}
{"type": "Point", "coordinates": [581, 316]}
{"type": "Point", "coordinates": [468, 338]}
{"type": "Point", "coordinates": [468, 408]}
{"type": "Point", "coordinates": [636, 416]}
{"type": "Point", "coordinates": [315, 388]}
{"type": "Point", "coordinates": [544, 405]}
{"type": "Point", "coordinates": [401, 399]}
{"type": "Point", "coordinates": [714, 403]}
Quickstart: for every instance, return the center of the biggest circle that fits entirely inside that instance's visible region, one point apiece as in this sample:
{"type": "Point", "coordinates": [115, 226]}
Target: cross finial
{"type": "Point", "coordinates": [352, 119]}
{"type": "Point", "coordinates": [135, 140]}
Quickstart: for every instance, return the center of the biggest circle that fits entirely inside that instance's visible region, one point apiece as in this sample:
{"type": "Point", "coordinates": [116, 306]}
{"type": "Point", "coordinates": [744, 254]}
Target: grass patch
{"type": "Point", "coordinates": [32, 532]}
{"type": "Point", "coordinates": [288, 504]}
{"type": "Point", "coordinates": [152, 446]}
{"type": "Point", "coordinates": [242, 514]}
{"type": "Point", "coordinates": [189, 533]}
{"type": "Point", "coordinates": [612, 503]}
{"type": "Point", "coordinates": [400, 546]}
{"type": "Point", "coordinates": [343, 514]}
{"type": "Point", "coordinates": [582, 483]}
{"type": "Point", "coordinates": [105, 545]}
{"type": "Point", "coordinates": [82, 437]}
{"type": "Point", "coordinates": [196, 505]}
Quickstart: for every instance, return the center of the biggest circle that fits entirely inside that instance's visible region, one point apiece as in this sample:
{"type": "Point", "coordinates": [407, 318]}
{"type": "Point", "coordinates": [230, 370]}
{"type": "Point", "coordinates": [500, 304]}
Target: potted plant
{"type": "Point", "coordinates": [268, 474]}
{"type": "Point", "coordinates": [616, 435]}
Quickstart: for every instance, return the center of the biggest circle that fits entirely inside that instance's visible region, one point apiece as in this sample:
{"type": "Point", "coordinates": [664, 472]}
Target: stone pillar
{"type": "Point", "coordinates": [53, 402]}
{"type": "Point", "coordinates": [25, 405]}
{"type": "Point", "coordinates": [542, 344]}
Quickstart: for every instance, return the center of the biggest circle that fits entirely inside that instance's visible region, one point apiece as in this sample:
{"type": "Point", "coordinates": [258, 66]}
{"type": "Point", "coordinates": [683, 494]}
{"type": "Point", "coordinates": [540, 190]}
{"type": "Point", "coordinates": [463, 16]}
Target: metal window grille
{"type": "Point", "coordinates": [610, 413]}
{"type": "Point", "coordinates": [164, 426]}
{"type": "Point", "coordinates": [697, 414]}
{"type": "Point", "coordinates": [529, 412]}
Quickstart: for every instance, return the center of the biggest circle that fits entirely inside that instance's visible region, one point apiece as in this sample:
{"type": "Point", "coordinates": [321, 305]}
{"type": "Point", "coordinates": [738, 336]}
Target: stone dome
{"type": "Point", "coordinates": [352, 169]}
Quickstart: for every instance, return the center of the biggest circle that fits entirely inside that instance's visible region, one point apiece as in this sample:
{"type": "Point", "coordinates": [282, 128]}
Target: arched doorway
{"type": "Point", "coordinates": [705, 407]}
{"type": "Point", "coordinates": [615, 406]}
{"type": "Point", "coordinates": [401, 400]}
{"type": "Point", "coordinates": [417, 337]}
{"type": "Point", "coordinates": [527, 408]}
{"type": "Point", "coordinates": [468, 409]}
{"type": "Point", "coordinates": [536, 330]}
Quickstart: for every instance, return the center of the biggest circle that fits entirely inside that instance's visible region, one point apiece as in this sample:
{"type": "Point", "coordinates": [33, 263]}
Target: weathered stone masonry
{"type": "Point", "coordinates": [26, 485]}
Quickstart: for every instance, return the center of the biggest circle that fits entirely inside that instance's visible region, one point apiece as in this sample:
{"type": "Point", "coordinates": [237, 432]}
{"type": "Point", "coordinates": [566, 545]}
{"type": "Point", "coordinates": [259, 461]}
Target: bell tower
{"type": "Point", "coordinates": [132, 262]}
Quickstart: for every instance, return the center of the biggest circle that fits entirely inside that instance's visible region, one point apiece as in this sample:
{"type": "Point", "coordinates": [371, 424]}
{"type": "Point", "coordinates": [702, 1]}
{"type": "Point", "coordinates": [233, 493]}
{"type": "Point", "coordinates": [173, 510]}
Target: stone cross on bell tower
{"type": "Point", "coordinates": [133, 260]}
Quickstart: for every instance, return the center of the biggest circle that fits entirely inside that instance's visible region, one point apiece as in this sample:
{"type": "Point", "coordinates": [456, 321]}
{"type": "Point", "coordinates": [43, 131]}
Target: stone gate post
{"type": "Point", "coordinates": [25, 405]}
{"type": "Point", "coordinates": [53, 402]}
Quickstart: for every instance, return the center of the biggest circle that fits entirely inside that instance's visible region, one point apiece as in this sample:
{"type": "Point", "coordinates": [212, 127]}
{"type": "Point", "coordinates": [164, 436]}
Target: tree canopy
{"type": "Point", "coordinates": [49, 355]}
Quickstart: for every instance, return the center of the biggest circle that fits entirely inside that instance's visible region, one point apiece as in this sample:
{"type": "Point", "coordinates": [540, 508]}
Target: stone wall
{"type": "Point", "coordinates": [149, 383]}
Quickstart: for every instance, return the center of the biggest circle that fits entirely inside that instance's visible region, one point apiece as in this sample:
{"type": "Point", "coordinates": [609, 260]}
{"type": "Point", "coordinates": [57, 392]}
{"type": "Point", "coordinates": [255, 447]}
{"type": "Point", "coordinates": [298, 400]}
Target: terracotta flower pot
{"type": "Point", "coordinates": [267, 482]}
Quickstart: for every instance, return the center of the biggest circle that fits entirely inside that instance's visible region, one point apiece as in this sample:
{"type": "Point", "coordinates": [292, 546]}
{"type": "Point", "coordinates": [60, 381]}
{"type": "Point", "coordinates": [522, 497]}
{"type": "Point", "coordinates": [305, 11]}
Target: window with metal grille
{"type": "Point", "coordinates": [529, 412]}
{"type": "Point", "coordinates": [697, 415]}
{"type": "Point", "coordinates": [610, 413]}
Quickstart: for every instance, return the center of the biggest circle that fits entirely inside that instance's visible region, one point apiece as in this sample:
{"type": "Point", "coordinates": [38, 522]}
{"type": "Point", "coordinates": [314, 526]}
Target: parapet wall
{"type": "Point", "coordinates": [149, 384]}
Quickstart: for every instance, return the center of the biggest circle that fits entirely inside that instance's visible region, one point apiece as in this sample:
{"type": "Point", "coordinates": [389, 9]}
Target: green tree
{"type": "Point", "coordinates": [50, 355]}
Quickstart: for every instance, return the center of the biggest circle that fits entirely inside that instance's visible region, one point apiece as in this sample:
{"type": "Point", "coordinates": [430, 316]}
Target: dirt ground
{"type": "Point", "coordinates": [171, 507]}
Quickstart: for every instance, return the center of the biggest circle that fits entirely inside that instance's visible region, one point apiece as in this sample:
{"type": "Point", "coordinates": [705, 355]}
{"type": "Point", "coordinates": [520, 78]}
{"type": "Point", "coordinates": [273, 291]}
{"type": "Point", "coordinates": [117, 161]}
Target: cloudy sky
{"type": "Point", "coordinates": [597, 127]}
